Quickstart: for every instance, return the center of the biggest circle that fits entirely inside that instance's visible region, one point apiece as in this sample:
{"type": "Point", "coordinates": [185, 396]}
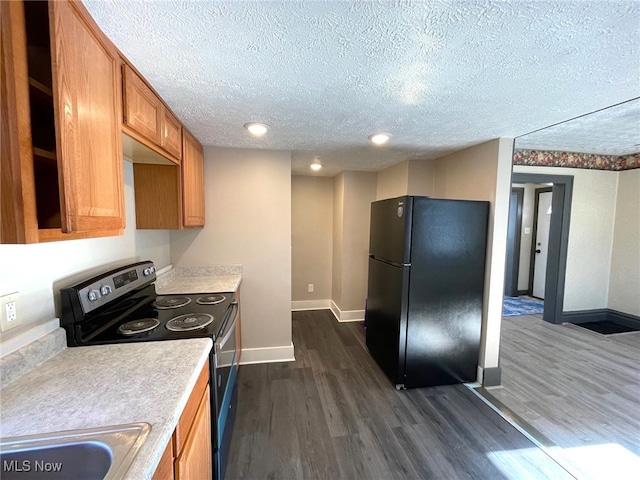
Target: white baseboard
{"type": "Point", "coordinates": [300, 305]}
{"type": "Point", "coordinates": [267, 355]}
{"type": "Point", "coordinates": [346, 315]}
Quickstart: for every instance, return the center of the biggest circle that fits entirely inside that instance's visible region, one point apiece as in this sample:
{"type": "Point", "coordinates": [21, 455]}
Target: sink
{"type": "Point", "coordinates": [103, 453]}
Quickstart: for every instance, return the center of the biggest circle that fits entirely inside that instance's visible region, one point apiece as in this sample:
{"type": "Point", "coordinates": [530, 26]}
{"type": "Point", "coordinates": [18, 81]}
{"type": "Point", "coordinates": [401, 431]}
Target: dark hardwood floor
{"type": "Point", "coordinates": [332, 414]}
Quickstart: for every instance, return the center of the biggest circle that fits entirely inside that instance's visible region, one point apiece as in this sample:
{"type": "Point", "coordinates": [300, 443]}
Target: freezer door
{"type": "Point", "coordinates": [390, 234]}
{"type": "Point", "coordinates": [445, 298]}
{"type": "Point", "coordinates": [386, 316]}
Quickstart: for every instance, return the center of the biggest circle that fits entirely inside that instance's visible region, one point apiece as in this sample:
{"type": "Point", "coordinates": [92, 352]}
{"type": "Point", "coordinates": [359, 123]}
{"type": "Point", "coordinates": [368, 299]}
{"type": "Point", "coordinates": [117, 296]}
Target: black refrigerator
{"type": "Point", "coordinates": [425, 289]}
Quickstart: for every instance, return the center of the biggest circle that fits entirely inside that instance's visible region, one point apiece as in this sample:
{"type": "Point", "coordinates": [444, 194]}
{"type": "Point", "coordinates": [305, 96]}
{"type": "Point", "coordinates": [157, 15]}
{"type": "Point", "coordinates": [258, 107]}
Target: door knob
{"type": "Point", "coordinates": [538, 251]}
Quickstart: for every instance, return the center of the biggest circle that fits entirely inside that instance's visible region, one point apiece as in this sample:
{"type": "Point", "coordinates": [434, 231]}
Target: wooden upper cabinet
{"type": "Point", "coordinates": [142, 107]}
{"type": "Point", "coordinates": [87, 108]}
{"type": "Point", "coordinates": [62, 171]}
{"type": "Point", "coordinates": [192, 181]}
{"type": "Point", "coordinates": [147, 118]}
{"type": "Point", "coordinates": [171, 134]}
{"type": "Point", "coordinates": [171, 196]}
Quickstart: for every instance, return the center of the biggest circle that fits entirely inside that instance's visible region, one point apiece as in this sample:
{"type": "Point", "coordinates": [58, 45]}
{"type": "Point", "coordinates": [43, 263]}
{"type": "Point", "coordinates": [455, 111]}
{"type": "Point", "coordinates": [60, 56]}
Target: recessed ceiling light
{"type": "Point", "coordinates": [257, 129]}
{"type": "Point", "coordinates": [380, 138]}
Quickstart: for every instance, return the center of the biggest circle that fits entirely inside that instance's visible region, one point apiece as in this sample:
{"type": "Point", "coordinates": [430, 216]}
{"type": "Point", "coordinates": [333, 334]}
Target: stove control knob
{"type": "Point", "coordinates": [105, 290]}
{"type": "Point", "coordinates": [152, 269]}
{"type": "Point", "coordinates": [146, 272]}
{"type": "Point", "coordinates": [93, 295]}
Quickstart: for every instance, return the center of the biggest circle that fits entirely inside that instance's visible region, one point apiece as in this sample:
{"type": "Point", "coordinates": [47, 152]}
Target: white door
{"type": "Point", "coordinates": [542, 243]}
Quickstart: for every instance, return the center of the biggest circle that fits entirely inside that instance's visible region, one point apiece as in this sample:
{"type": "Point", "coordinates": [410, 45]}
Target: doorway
{"type": "Point", "coordinates": [540, 245]}
{"type": "Point", "coordinates": [553, 270]}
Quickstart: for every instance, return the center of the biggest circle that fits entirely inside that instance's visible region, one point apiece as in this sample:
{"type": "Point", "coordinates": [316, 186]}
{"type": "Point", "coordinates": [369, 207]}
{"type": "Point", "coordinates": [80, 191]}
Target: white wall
{"type": "Point", "coordinates": [624, 285]}
{"type": "Point", "coordinates": [590, 235]}
{"type": "Point", "coordinates": [38, 271]}
{"type": "Point", "coordinates": [248, 221]}
{"type": "Point", "coordinates": [312, 239]}
{"type": "Point", "coordinates": [353, 194]}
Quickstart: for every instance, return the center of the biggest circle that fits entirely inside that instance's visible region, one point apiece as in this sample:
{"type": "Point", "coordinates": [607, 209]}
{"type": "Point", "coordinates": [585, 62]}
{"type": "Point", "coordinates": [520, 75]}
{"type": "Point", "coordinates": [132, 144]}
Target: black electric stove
{"type": "Point", "coordinates": [121, 306]}
{"type": "Point", "coordinates": [143, 317]}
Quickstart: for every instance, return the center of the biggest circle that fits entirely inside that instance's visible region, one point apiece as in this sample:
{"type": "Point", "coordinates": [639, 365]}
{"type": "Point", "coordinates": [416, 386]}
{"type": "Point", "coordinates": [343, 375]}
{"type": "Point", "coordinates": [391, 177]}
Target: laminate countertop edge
{"type": "Point", "coordinates": [106, 385]}
{"type": "Point", "coordinates": [194, 280]}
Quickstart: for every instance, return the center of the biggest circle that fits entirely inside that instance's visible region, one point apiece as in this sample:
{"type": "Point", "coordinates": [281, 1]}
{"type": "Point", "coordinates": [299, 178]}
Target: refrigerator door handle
{"type": "Point", "coordinates": [389, 262]}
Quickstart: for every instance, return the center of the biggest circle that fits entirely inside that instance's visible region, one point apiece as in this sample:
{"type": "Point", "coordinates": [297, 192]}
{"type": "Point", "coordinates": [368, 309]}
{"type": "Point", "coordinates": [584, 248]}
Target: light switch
{"type": "Point", "coordinates": [527, 230]}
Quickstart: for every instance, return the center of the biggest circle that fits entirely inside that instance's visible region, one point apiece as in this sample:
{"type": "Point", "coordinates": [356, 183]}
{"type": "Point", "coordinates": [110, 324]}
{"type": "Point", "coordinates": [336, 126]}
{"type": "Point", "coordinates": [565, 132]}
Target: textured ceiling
{"type": "Point", "coordinates": [438, 75]}
{"type": "Point", "coordinates": [611, 131]}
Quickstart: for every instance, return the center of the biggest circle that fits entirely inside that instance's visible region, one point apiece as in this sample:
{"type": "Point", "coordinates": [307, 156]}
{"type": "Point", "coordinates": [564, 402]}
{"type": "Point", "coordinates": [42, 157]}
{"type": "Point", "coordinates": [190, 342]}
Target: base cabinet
{"type": "Point", "coordinates": [188, 456]}
{"type": "Point", "coordinates": [195, 459]}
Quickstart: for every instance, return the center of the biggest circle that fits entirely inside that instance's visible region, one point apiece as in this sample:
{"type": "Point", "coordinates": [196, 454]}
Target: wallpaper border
{"type": "Point", "coordinates": [590, 161]}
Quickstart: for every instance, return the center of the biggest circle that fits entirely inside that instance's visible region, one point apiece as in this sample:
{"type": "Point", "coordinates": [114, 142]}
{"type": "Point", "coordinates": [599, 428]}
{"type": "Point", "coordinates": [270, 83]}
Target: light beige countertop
{"type": "Point", "coordinates": [104, 385]}
{"type": "Point", "coordinates": [193, 280]}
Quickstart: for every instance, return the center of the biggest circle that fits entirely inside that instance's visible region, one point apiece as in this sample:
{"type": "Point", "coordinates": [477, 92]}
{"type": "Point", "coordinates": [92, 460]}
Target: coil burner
{"type": "Point", "coordinates": [189, 322]}
{"type": "Point", "coordinates": [211, 299]}
{"type": "Point", "coordinates": [165, 303]}
{"type": "Point", "coordinates": [138, 326]}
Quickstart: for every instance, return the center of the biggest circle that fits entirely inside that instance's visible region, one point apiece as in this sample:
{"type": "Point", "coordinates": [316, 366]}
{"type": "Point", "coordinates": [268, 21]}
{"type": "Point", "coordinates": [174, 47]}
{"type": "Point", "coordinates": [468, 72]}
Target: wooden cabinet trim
{"type": "Point", "coordinates": [147, 143]}
{"type": "Point", "coordinates": [19, 222]}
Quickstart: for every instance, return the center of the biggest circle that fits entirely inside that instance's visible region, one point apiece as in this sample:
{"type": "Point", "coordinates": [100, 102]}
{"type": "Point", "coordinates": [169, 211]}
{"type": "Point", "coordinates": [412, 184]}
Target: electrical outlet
{"type": "Point", "coordinates": [9, 311]}
{"type": "Point", "coordinates": [310, 288]}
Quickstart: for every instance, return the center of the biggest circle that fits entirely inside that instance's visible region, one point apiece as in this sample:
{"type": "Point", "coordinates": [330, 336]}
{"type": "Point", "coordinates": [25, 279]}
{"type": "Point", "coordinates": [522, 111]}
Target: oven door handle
{"type": "Point", "coordinates": [229, 329]}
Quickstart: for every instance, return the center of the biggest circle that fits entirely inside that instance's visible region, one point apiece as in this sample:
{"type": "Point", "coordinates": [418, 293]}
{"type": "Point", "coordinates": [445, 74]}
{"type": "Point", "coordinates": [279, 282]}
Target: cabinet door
{"type": "Point", "coordinates": [195, 461]}
{"type": "Point", "coordinates": [164, 470]}
{"type": "Point", "coordinates": [143, 109]}
{"type": "Point", "coordinates": [192, 181]}
{"type": "Point", "coordinates": [171, 134]}
{"type": "Point", "coordinates": [87, 109]}
{"type": "Point", "coordinates": [18, 219]}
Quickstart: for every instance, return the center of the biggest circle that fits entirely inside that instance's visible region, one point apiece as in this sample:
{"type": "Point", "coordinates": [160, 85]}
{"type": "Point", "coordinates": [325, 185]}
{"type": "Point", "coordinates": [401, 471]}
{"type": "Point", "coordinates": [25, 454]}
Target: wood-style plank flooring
{"type": "Point", "coordinates": [332, 414]}
{"type": "Point", "coordinates": [579, 389]}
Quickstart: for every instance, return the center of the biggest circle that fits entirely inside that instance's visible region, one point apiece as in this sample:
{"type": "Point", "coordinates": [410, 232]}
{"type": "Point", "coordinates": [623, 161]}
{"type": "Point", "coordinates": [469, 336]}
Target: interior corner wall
{"type": "Point", "coordinates": [593, 210]}
{"type": "Point", "coordinates": [483, 172]}
{"type": "Point", "coordinates": [624, 284]}
{"type": "Point", "coordinates": [353, 194]}
{"type": "Point", "coordinates": [338, 235]}
{"type": "Point", "coordinates": [248, 222]}
{"type": "Point", "coordinates": [311, 237]}
{"type": "Point", "coordinates": [359, 192]}
{"type": "Point", "coordinates": [393, 181]}
{"type": "Point", "coordinates": [411, 177]}
{"type": "Point", "coordinates": [421, 178]}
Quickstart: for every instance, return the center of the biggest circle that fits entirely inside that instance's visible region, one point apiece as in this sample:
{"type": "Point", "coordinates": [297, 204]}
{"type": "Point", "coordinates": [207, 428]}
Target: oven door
{"type": "Point", "coordinates": [226, 373]}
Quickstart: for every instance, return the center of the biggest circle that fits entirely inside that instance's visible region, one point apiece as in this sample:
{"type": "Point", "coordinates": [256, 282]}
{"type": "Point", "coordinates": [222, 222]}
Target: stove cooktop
{"type": "Point", "coordinates": [163, 317]}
